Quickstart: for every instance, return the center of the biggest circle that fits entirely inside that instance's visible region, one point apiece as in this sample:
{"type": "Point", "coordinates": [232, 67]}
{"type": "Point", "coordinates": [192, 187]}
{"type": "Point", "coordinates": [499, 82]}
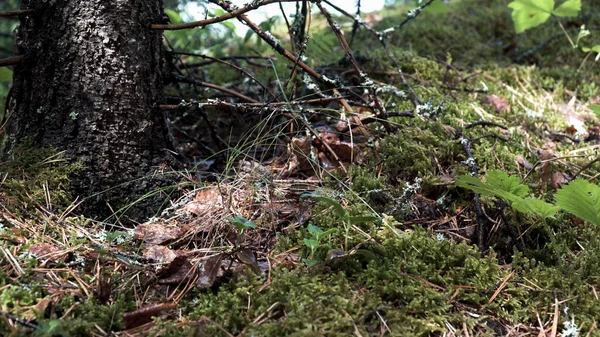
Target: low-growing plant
{"type": "Point", "coordinates": [341, 213]}
{"type": "Point", "coordinates": [314, 242]}
{"type": "Point", "coordinates": [532, 13]}
{"type": "Point", "coordinates": [580, 197]}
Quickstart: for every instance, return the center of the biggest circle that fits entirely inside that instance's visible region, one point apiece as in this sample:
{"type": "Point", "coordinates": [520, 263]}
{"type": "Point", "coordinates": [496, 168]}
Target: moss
{"type": "Point", "coordinates": [34, 173]}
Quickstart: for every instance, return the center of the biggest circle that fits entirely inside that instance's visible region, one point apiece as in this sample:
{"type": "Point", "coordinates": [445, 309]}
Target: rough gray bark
{"type": "Point", "coordinates": [90, 84]}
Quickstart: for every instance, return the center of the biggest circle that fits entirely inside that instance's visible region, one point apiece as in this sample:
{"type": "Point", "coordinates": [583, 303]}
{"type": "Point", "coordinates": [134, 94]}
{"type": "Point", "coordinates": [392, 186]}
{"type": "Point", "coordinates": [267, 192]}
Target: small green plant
{"type": "Point", "coordinates": [532, 13]}
{"type": "Point", "coordinates": [314, 242]}
{"type": "Point", "coordinates": [343, 215]}
{"type": "Point", "coordinates": [580, 197]}
{"type": "Point", "coordinates": [241, 224]}
{"type": "Point", "coordinates": [50, 328]}
{"type": "Point", "coordinates": [501, 185]}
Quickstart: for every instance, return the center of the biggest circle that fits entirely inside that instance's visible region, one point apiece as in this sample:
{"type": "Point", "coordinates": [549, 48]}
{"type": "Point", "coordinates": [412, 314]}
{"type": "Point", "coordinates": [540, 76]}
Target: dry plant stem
{"type": "Point", "coordinates": [240, 69]}
{"type": "Point", "coordinates": [15, 12]}
{"type": "Point", "coordinates": [216, 87]}
{"type": "Point", "coordinates": [381, 36]}
{"type": "Point", "coordinates": [203, 23]}
{"type": "Point", "coordinates": [9, 61]}
{"type": "Point", "coordinates": [319, 101]}
{"type": "Point", "coordinates": [267, 38]}
{"type": "Point", "coordinates": [336, 29]}
{"type": "Point", "coordinates": [482, 222]}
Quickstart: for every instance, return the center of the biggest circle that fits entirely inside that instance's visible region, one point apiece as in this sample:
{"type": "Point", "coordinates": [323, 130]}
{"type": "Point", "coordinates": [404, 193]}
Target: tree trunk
{"type": "Point", "coordinates": [90, 84]}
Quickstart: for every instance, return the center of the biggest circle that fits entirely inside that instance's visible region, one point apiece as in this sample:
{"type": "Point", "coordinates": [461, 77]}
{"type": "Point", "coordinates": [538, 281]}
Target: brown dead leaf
{"type": "Point", "coordinates": [523, 162]}
{"type": "Point", "coordinates": [159, 254]}
{"type": "Point", "coordinates": [559, 179]}
{"type": "Point", "coordinates": [158, 233]}
{"type": "Point", "coordinates": [207, 200]}
{"type": "Point", "coordinates": [247, 257]}
{"type": "Point", "coordinates": [288, 260]}
{"type": "Point", "coordinates": [177, 272]}
{"type": "Point", "coordinates": [546, 167]}
{"type": "Point", "coordinates": [209, 271]}
{"type": "Point", "coordinates": [46, 251]}
{"type": "Point", "coordinates": [144, 315]}
{"type": "Point", "coordinates": [347, 152]}
{"type": "Point", "coordinates": [499, 104]}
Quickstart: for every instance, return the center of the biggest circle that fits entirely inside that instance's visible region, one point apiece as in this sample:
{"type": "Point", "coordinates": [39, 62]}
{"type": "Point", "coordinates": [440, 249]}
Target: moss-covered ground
{"type": "Point", "coordinates": [413, 265]}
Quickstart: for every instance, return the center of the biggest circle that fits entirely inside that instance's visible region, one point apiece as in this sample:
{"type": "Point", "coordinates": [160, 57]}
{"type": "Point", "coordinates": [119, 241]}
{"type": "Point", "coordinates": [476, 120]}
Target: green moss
{"type": "Point", "coordinates": [32, 173]}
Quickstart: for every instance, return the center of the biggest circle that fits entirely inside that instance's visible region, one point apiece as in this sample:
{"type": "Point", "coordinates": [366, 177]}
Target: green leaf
{"type": "Point", "coordinates": [596, 109]}
{"type": "Point", "coordinates": [530, 13]}
{"type": "Point", "coordinates": [242, 223]}
{"type": "Point", "coordinates": [499, 184]}
{"type": "Point", "coordinates": [173, 16]}
{"type": "Point", "coordinates": [595, 48]}
{"type": "Point", "coordinates": [5, 75]}
{"type": "Point", "coordinates": [314, 231]}
{"type": "Point", "coordinates": [310, 263]}
{"type": "Point", "coordinates": [311, 243]}
{"type": "Point", "coordinates": [539, 207]}
{"type": "Point", "coordinates": [503, 181]}
{"type": "Point", "coordinates": [339, 210]}
{"type": "Point", "coordinates": [437, 6]}
{"type": "Point", "coordinates": [568, 8]}
{"type": "Point", "coordinates": [229, 25]}
{"type": "Point", "coordinates": [582, 199]}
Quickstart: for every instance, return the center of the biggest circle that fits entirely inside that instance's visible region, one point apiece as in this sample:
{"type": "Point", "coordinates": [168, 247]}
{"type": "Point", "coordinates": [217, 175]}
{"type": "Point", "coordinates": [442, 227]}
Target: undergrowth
{"type": "Point", "coordinates": [411, 268]}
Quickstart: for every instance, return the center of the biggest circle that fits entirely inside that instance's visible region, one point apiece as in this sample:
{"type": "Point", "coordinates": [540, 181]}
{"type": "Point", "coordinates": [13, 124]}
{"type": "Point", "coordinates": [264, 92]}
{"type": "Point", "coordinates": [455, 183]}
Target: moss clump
{"type": "Point", "coordinates": [33, 173]}
{"type": "Point", "coordinates": [411, 284]}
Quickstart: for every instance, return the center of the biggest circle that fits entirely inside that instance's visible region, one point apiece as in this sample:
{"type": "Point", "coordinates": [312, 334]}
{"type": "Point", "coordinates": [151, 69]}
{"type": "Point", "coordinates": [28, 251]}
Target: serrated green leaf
{"type": "Point", "coordinates": [503, 181]}
{"type": "Point", "coordinates": [5, 74]}
{"type": "Point", "coordinates": [568, 8]}
{"type": "Point", "coordinates": [540, 207]}
{"type": "Point", "coordinates": [580, 198]}
{"type": "Point", "coordinates": [530, 13]}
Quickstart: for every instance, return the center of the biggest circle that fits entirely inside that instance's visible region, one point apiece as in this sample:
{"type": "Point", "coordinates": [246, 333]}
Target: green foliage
{"type": "Point", "coordinates": [5, 75]}
{"type": "Point", "coordinates": [530, 13]}
{"type": "Point", "coordinates": [501, 185]}
{"type": "Point", "coordinates": [343, 215]}
{"type": "Point", "coordinates": [242, 223]}
{"type": "Point", "coordinates": [33, 169]}
{"type": "Point", "coordinates": [50, 328]}
{"type": "Point", "coordinates": [582, 199]}
{"type": "Point", "coordinates": [314, 242]}
{"type": "Point", "coordinates": [411, 285]}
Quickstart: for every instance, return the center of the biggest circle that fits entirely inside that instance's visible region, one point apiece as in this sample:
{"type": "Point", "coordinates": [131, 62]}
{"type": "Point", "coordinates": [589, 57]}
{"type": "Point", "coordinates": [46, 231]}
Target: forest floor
{"type": "Point", "coordinates": [353, 225]}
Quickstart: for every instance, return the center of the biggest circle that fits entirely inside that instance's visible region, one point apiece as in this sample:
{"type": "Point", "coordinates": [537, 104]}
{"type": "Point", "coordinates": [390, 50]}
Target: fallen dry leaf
{"type": "Point", "coordinates": [158, 233]}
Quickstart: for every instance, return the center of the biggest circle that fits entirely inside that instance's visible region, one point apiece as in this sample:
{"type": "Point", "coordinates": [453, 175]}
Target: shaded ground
{"type": "Point", "coordinates": [385, 245]}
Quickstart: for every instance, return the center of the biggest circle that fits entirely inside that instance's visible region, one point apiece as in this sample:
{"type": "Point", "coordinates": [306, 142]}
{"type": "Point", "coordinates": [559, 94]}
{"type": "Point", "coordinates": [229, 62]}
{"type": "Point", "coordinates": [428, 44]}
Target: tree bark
{"type": "Point", "coordinates": [90, 85]}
